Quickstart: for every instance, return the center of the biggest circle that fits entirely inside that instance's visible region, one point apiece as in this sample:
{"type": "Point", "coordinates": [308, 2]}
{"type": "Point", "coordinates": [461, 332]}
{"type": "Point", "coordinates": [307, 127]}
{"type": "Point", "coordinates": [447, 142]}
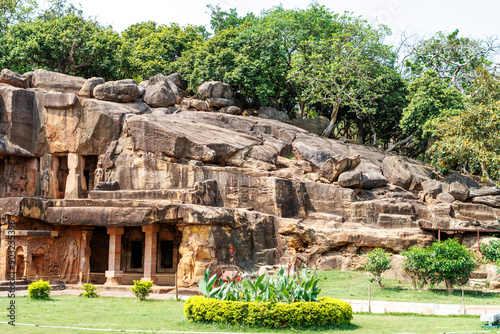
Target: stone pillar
{"type": "Point", "coordinates": [74, 180]}
{"type": "Point", "coordinates": [150, 252]}
{"type": "Point", "coordinates": [32, 176]}
{"type": "Point", "coordinates": [85, 256]}
{"type": "Point", "coordinates": [114, 273]}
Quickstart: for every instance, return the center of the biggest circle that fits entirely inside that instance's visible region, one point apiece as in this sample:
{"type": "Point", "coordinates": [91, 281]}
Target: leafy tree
{"type": "Point", "coordinates": [453, 58]}
{"type": "Point", "coordinates": [491, 250]}
{"type": "Point", "coordinates": [68, 44]}
{"type": "Point", "coordinates": [469, 140]}
{"type": "Point", "coordinates": [149, 49]}
{"type": "Point", "coordinates": [344, 70]}
{"type": "Point", "coordinates": [14, 11]}
{"type": "Point", "coordinates": [378, 262]}
{"type": "Point", "coordinates": [451, 262]}
{"type": "Point", "coordinates": [428, 98]}
{"type": "Point", "coordinates": [417, 265]}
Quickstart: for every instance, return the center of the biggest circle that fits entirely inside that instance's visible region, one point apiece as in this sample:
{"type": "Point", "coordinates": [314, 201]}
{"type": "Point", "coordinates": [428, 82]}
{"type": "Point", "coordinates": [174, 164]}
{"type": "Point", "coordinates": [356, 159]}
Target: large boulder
{"type": "Point", "coordinates": [13, 79]}
{"type": "Point", "coordinates": [397, 172]}
{"type": "Point", "coordinates": [53, 81]}
{"type": "Point", "coordinates": [356, 179]}
{"type": "Point", "coordinates": [337, 164]}
{"type": "Point", "coordinates": [89, 85]}
{"type": "Point", "coordinates": [176, 79]}
{"type": "Point", "coordinates": [194, 103]}
{"type": "Point", "coordinates": [117, 91]}
{"type": "Point", "coordinates": [272, 113]}
{"type": "Point", "coordinates": [19, 117]}
{"type": "Point", "coordinates": [493, 201]}
{"type": "Point", "coordinates": [432, 188]}
{"type": "Point", "coordinates": [59, 100]}
{"type": "Point", "coordinates": [459, 191]}
{"type": "Point", "coordinates": [483, 191]}
{"type": "Point", "coordinates": [159, 92]}
{"type": "Point", "coordinates": [314, 125]}
{"type": "Point", "coordinates": [216, 89]}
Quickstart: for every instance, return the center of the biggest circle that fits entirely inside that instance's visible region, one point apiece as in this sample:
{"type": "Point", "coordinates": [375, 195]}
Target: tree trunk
{"type": "Point", "coordinates": [414, 282]}
{"type": "Point", "coordinates": [302, 107]}
{"type": "Point", "coordinates": [378, 280]}
{"type": "Point", "coordinates": [449, 285]}
{"type": "Point", "coordinates": [333, 120]}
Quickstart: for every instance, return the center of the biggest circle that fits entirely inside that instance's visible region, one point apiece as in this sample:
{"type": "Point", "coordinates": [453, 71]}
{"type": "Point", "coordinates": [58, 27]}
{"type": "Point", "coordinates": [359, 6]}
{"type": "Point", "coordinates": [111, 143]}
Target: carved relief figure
{"type": "Point", "coordinates": [45, 183]}
{"type": "Point", "coordinates": [98, 176]}
{"type": "Point", "coordinates": [69, 260]}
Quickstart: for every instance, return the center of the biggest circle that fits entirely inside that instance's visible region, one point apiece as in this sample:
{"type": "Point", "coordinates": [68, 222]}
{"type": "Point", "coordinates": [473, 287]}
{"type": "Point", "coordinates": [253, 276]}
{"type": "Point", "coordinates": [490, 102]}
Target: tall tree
{"type": "Point", "coordinates": [344, 70]}
{"type": "Point", "coordinates": [14, 11]}
{"type": "Point", "coordinates": [453, 58]}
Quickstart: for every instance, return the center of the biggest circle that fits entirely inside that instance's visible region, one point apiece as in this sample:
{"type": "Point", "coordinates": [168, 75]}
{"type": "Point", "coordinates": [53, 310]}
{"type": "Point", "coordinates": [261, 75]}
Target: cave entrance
{"type": "Point", "coordinates": [99, 245]}
{"type": "Point", "coordinates": [136, 254]}
{"type": "Point", "coordinates": [89, 170]}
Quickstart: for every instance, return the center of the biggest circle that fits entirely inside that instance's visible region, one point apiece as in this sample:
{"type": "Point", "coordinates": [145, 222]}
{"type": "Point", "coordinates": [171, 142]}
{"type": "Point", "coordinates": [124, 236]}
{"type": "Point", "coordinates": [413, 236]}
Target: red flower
{"type": "Point", "coordinates": [231, 250]}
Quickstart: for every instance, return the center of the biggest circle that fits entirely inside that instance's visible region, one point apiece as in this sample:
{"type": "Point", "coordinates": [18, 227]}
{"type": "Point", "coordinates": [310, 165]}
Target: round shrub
{"type": "Point", "coordinates": [39, 290]}
{"type": "Point", "coordinates": [327, 312]}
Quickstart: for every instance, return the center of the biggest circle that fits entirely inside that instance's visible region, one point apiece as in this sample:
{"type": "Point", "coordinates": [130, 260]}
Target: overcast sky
{"type": "Point", "coordinates": [473, 18]}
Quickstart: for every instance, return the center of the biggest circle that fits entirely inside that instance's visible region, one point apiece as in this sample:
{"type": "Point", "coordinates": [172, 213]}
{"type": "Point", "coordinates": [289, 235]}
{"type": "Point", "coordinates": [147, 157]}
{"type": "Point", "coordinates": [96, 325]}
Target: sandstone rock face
{"type": "Point", "coordinates": [313, 125]}
{"type": "Point", "coordinates": [12, 78]}
{"type": "Point", "coordinates": [272, 113]}
{"type": "Point", "coordinates": [52, 81]}
{"type": "Point", "coordinates": [201, 182]}
{"type": "Point", "coordinates": [337, 164]}
{"type": "Point", "coordinates": [117, 91]}
{"type": "Point", "coordinates": [19, 121]}
{"type": "Point", "coordinates": [216, 89]}
{"type": "Point", "coordinates": [397, 172]}
{"type": "Point", "coordinates": [59, 100]}
{"type": "Point", "coordinates": [89, 85]}
{"type": "Point", "coordinates": [459, 191]}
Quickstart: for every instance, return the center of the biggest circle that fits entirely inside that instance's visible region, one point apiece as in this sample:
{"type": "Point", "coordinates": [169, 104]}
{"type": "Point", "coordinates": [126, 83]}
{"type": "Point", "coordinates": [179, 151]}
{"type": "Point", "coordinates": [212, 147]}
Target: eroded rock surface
{"type": "Point", "coordinates": [206, 179]}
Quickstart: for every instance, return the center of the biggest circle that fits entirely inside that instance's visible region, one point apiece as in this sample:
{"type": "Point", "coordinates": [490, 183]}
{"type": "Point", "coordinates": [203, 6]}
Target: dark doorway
{"type": "Point", "coordinates": [167, 254]}
{"type": "Point", "coordinates": [89, 170]}
{"type": "Point", "coordinates": [99, 250]}
{"type": "Point", "coordinates": [136, 254]}
{"type": "Point", "coordinates": [62, 175]}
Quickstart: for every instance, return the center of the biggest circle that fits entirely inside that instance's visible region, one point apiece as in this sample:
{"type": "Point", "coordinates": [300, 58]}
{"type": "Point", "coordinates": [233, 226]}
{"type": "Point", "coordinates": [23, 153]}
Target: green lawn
{"type": "Point", "coordinates": [354, 285]}
{"type": "Point", "coordinates": [127, 313]}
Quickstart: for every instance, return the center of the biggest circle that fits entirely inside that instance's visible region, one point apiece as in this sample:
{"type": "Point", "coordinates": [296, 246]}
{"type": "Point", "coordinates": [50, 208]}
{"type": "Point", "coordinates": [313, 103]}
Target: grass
{"type": "Point", "coordinates": [167, 315]}
{"type": "Point", "coordinates": [354, 285]}
{"type": "Point", "coordinates": [128, 313]}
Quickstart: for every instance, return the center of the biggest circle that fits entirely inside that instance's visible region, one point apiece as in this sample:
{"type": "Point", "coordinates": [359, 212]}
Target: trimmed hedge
{"type": "Point", "coordinates": [325, 313]}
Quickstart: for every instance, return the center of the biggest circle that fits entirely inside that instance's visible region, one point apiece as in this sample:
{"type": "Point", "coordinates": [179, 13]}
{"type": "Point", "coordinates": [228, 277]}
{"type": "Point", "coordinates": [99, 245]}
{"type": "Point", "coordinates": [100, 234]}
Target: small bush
{"type": "Point", "coordinates": [142, 289]}
{"type": "Point", "coordinates": [39, 290]}
{"type": "Point", "coordinates": [90, 291]}
{"type": "Point", "coordinates": [327, 312]}
{"type": "Point", "coordinates": [491, 251]}
{"type": "Point", "coordinates": [378, 262]}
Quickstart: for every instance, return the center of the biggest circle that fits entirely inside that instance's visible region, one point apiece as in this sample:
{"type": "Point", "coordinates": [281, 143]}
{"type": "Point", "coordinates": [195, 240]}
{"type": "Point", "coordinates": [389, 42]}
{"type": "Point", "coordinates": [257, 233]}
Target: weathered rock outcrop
{"type": "Point", "coordinates": [206, 181]}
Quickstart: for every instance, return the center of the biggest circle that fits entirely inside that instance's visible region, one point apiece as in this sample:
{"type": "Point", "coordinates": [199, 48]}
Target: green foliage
{"type": "Point", "coordinates": [149, 49]}
{"type": "Point", "coordinates": [39, 290]}
{"type": "Point", "coordinates": [90, 291]}
{"type": "Point", "coordinates": [491, 251]}
{"type": "Point", "coordinates": [283, 288]}
{"type": "Point", "coordinates": [142, 289]}
{"type": "Point", "coordinates": [13, 11]}
{"type": "Point", "coordinates": [327, 312]}
{"type": "Point", "coordinates": [451, 262]}
{"type": "Point", "coordinates": [378, 262]}
{"type": "Point", "coordinates": [417, 264]}
{"type": "Point", "coordinates": [469, 141]}
{"type": "Point", "coordinates": [68, 44]}
{"type": "Point", "coordinates": [453, 58]}
{"type": "Point", "coordinates": [428, 98]}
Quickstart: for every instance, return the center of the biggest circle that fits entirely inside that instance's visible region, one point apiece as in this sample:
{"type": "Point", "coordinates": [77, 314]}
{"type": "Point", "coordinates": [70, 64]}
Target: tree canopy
{"type": "Point", "coordinates": [440, 105]}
